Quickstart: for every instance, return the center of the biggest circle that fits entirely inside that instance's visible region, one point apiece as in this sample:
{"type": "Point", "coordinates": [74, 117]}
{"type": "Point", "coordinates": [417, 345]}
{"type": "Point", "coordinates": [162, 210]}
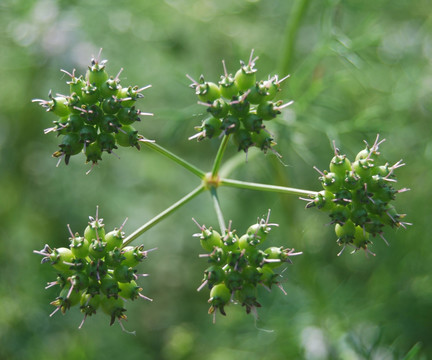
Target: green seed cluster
{"type": "Point", "coordinates": [96, 116]}
{"type": "Point", "coordinates": [358, 197]}
{"type": "Point", "coordinates": [95, 271]}
{"type": "Point", "coordinates": [239, 105]}
{"type": "Point", "coordinates": [238, 265]}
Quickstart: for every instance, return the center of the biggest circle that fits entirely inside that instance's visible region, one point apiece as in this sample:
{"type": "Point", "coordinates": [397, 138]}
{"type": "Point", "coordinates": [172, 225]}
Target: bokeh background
{"type": "Point", "coordinates": [358, 68]}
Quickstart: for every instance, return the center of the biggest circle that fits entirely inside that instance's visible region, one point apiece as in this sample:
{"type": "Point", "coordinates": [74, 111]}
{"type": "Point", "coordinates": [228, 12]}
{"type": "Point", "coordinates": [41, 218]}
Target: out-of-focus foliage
{"type": "Point", "coordinates": [359, 67]}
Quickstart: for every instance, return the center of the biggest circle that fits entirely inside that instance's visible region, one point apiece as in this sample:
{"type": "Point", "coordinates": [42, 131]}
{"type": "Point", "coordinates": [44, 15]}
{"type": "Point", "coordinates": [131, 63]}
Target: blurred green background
{"type": "Point", "coordinates": [358, 68]}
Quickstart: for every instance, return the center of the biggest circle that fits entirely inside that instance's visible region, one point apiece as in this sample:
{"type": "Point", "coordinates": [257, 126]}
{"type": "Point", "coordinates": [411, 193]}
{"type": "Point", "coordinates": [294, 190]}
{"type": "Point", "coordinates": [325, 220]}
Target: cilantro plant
{"type": "Point", "coordinates": [96, 269]}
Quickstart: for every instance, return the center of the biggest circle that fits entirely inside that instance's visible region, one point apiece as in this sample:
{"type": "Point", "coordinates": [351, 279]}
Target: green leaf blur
{"type": "Point", "coordinates": [358, 68]}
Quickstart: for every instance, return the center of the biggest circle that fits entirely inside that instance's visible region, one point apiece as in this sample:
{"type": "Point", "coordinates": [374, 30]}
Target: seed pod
{"type": "Point", "coordinates": [247, 297]}
{"type": "Point", "coordinates": [124, 273]}
{"type": "Point", "coordinates": [133, 255]}
{"type": "Point", "coordinates": [114, 307]}
{"type": "Point", "coordinates": [245, 77]}
{"type": "Point", "coordinates": [340, 165]}
{"type": "Point", "coordinates": [127, 137]}
{"type": "Point", "coordinates": [96, 73]}
{"type": "Point", "coordinates": [209, 238]}
{"type": "Point", "coordinates": [219, 298]}
{"type": "Point", "coordinates": [114, 239]}
{"type": "Point", "coordinates": [109, 286]}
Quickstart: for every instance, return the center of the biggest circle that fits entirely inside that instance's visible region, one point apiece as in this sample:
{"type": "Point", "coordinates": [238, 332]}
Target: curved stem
{"type": "Point", "coordinates": [218, 209]}
{"type": "Point", "coordinates": [219, 155]}
{"type": "Point", "coordinates": [163, 215]}
{"type": "Point", "coordinates": [188, 166]}
{"type": "Point", "coordinates": [293, 24]}
{"type": "Point", "coordinates": [265, 187]}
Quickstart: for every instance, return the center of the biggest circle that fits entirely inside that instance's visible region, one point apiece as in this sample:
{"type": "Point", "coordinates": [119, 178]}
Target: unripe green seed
{"type": "Point", "coordinates": [268, 277]}
{"type": "Point", "coordinates": [257, 93]}
{"type": "Point", "coordinates": [331, 182]}
{"type": "Point", "coordinates": [248, 242]}
{"type": "Point", "coordinates": [79, 247]}
{"type": "Point", "coordinates": [219, 108]}
{"type": "Point", "coordinates": [95, 230]}
{"type": "Point", "coordinates": [239, 107]}
{"type": "Point", "coordinates": [245, 77]}
{"type": "Point", "coordinates": [230, 124]}
{"type": "Point", "coordinates": [88, 134]}
{"type": "Point", "coordinates": [89, 303]}
{"type": "Point", "coordinates": [114, 257]}
{"type": "Point", "coordinates": [79, 280]}
{"type": "Point", "coordinates": [208, 92]}
{"type": "Point", "coordinates": [124, 274]}
{"type": "Point", "coordinates": [251, 275]}
{"type": "Point", "coordinates": [361, 238]}
{"type": "Point", "coordinates": [233, 279]}
{"type": "Point", "coordinates": [90, 94]}
{"type": "Point", "coordinates": [59, 106]}
{"type": "Point", "coordinates": [247, 297]}
{"type": "Point", "coordinates": [230, 241]}
{"type": "Point", "coordinates": [114, 239]}
{"type": "Point", "coordinates": [211, 127]}
{"type": "Point", "coordinates": [128, 115]}
{"type": "Point", "coordinates": [363, 168]}
{"type": "Point", "coordinates": [111, 105]}
{"type": "Point", "coordinates": [243, 140]}
{"type": "Point", "coordinates": [127, 136]}
{"type": "Point", "coordinates": [263, 140]}
{"type": "Point", "coordinates": [97, 249]}
{"type": "Point", "coordinates": [96, 73]}
{"type": "Point", "coordinates": [214, 275]}
{"type": "Point", "coordinates": [133, 255]}
{"type": "Point", "coordinates": [69, 146]}
{"type": "Point", "coordinates": [209, 239]}
{"type": "Point", "coordinates": [61, 258]}
{"type": "Point", "coordinates": [109, 286]}
{"type": "Point", "coordinates": [228, 87]}
{"type": "Point", "coordinates": [274, 253]}
{"type": "Point", "coordinates": [93, 152]}
{"type": "Point", "coordinates": [93, 115]}
{"type": "Point", "coordinates": [76, 84]}
{"type": "Point", "coordinates": [109, 88]}
{"type": "Point", "coordinates": [129, 290]}
{"type": "Point", "coordinates": [345, 232]}
{"type": "Point", "coordinates": [114, 307]}
{"type": "Point", "coordinates": [268, 110]}
{"type": "Point", "coordinates": [75, 123]}
{"type": "Point", "coordinates": [340, 165]}
{"type": "Point", "coordinates": [109, 124]}
{"type": "Point", "coordinates": [252, 123]}
{"type": "Point", "coordinates": [219, 298]}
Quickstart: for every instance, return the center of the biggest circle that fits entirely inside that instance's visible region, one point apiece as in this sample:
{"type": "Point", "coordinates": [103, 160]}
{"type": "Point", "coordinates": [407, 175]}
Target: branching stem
{"type": "Point", "coordinates": [265, 187]}
{"type": "Point", "coordinates": [198, 190]}
{"type": "Point", "coordinates": [188, 166]}
{"type": "Point", "coordinates": [219, 155]}
{"type": "Point", "coordinates": [218, 209]}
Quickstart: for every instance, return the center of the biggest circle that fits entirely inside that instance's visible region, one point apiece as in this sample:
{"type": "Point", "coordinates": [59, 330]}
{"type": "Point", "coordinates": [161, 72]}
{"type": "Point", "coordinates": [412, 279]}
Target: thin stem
{"type": "Point", "coordinates": [188, 166]}
{"type": "Point", "coordinates": [265, 187]}
{"type": "Point", "coordinates": [218, 209]}
{"type": "Point", "coordinates": [163, 214]}
{"type": "Point", "coordinates": [293, 23]}
{"type": "Point", "coordinates": [219, 155]}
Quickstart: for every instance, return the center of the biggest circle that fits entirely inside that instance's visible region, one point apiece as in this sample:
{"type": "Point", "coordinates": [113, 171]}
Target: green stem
{"type": "Point", "coordinates": [265, 187]}
{"type": "Point", "coordinates": [188, 166]}
{"type": "Point", "coordinates": [163, 215]}
{"type": "Point", "coordinates": [219, 155]}
{"type": "Point", "coordinates": [218, 209]}
{"type": "Point", "coordinates": [293, 23]}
